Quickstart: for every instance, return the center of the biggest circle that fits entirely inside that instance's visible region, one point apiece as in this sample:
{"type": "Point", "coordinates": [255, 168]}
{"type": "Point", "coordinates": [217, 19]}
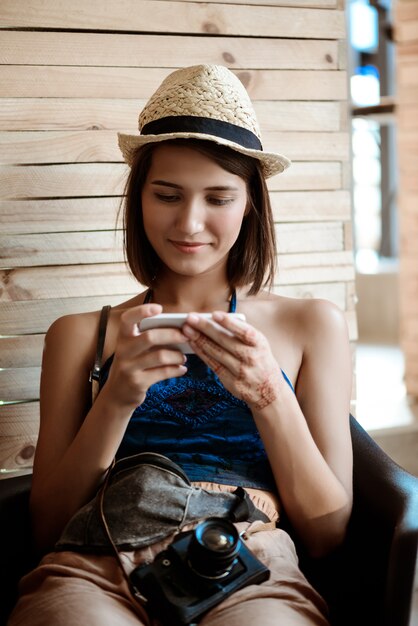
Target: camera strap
{"type": "Point", "coordinates": [142, 600]}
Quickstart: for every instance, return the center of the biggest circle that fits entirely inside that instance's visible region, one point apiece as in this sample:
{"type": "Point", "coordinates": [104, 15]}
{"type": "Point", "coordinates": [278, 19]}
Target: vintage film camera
{"type": "Point", "coordinates": [199, 569]}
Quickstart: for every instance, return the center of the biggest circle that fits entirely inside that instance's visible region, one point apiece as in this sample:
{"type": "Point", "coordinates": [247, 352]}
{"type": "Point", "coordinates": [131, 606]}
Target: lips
{"type": "Point", "coordinates": [188, 247]}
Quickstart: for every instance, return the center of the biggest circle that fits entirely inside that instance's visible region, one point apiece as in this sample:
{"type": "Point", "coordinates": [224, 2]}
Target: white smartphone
{"type": "Point", "coordinates": [176, 320]}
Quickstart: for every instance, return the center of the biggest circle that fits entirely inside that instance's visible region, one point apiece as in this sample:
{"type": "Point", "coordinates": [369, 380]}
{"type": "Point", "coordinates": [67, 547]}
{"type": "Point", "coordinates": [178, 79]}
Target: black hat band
{"type": "Point", "coordinates": [203, 125]}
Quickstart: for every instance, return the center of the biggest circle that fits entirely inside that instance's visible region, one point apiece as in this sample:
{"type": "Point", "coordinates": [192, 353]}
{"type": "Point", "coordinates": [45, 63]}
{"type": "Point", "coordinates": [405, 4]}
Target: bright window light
{"type": "Point", "coordinates": [364, 26]}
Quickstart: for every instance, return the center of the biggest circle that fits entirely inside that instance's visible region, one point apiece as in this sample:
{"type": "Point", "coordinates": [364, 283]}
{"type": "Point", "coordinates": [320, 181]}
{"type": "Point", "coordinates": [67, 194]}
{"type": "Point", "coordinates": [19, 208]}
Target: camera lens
{"type": "Point", "coordinates": [213, 548]}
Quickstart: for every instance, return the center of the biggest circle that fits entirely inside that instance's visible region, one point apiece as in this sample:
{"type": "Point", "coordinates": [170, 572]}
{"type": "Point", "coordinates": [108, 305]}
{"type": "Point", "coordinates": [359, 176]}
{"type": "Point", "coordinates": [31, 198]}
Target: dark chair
{"type": "Point", "coordinates": [368, 582]}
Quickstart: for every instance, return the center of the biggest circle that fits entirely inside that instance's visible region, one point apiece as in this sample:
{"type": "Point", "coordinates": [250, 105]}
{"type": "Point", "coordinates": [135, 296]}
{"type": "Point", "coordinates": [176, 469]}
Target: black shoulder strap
{"type": "Point", "coordinates": [98, 361]}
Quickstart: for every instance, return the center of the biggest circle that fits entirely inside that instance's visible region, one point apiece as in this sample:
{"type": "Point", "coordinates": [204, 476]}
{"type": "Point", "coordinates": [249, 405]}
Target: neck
{"type": "Point", "coordinates": [191, 294]}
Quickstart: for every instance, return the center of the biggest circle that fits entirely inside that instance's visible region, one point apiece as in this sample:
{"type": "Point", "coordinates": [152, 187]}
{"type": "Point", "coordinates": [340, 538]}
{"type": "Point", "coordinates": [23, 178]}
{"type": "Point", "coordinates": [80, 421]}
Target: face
{"type": "Point", "coordinates": [192, 210]}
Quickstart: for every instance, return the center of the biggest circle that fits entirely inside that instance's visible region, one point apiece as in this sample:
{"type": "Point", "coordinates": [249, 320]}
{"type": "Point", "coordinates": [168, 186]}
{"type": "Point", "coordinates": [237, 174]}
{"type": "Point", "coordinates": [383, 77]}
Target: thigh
{"type": "Point", "coordinates": [287, 598]}
{"type": "Point", "coordinates": [71, 589]}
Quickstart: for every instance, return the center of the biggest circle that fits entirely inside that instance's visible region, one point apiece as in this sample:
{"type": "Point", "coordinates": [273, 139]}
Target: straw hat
{"type": "Point", "coordinates": [203, 102]}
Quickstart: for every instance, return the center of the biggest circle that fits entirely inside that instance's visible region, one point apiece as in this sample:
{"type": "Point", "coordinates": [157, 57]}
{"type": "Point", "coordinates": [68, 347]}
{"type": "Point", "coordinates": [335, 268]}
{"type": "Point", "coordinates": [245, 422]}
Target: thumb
{"type": "Point", "coordinates": [130, 319]}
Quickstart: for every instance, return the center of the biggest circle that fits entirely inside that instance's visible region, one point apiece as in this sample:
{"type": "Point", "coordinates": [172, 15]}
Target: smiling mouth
{"type": "Point", "coordinates": [188, 246]}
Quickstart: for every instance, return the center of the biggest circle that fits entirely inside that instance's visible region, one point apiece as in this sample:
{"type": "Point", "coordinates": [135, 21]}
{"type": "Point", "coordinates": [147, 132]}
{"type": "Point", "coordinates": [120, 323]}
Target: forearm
{"type": "Point", "coordinates": [315, 500]}
{"type": "Point", "coordinates": [74, 480]}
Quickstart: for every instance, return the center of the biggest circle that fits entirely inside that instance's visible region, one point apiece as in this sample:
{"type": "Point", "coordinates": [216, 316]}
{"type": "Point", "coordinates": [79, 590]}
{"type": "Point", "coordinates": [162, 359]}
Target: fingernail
{"type": "Point", "coordinates": [218, 316]}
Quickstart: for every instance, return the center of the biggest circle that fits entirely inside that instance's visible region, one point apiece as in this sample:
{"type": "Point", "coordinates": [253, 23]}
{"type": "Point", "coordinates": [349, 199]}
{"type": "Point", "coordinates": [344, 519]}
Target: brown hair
{"type": "Point", "coordinates": [252, 258]}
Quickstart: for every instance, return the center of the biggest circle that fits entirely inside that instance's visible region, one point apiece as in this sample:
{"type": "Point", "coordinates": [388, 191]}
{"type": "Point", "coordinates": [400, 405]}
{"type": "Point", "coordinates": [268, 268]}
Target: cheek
{"type": "Point", "coordinates": [154, 219]}
{"type": "Point", "coordinates": [230, 225]}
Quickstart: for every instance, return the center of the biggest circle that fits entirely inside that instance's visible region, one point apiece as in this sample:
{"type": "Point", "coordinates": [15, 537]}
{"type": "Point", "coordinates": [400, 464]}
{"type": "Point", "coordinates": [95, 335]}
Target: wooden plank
{"type": "Point", "coordinates": [351, 298]}
{"type": "Point", "coordinates": [319, 4]}
{"type": "Point", "coordinates": [19, 384]}
{"type": "Point", "coordinates": [351, 319]}
{"type": "Point", "coordinates": [309, 146]}
{"type": "Point", "coordinates": [335, 292]}
{"type": "Point", "coordinates": [96, 50]}
{"type": "Point", "coordinates": [318, 267]}
{"type": "Point", "coordinates": [110, 82]}
{"type": "Point", "coordinates": [66, 281]}
{"type": "Point", "coordinates": [406, 52]}
{"type": "Point", "coordinates": [23, 351]}
{"type": "Point", "coordinates": [81, 248]}
{"type": "Point", "coordinates": [408, 202]}
{"type": "Point", "coordinates": [406, 31]}
{"type": "Point", "coordinates": [18, 436]}
{"type": "Point", "coordinates": [407, 116]}
{"type": "Point", "coordinates": [348, 235]}
{"type": "Point", "coordinates": [35, 316]}
{"type": "Point", "coordinates": [308, 176]}
{"type": "Point", "coordinates": [93, 179]}
{"type": "Point", "coordinates": [408, 95]}
{"type": "Point", "coordinates": [58, 215]}
{"type": "Point", "coordinates": [19, 419]}
{"type": "Point", "coordinates": [18, 148]}
{"type": "Point", "coordinates": [407, 75]}
{"type": "Point", "coordinates": [309, 237]}
{"type": "Point", "coordinates": [306, 207]}
{"type": "Point", "coordinates": [175, 17]}
{"type": "Point", "coordinates": [406, 22]}
{"type": "Point", "coordinates": [78, 248]}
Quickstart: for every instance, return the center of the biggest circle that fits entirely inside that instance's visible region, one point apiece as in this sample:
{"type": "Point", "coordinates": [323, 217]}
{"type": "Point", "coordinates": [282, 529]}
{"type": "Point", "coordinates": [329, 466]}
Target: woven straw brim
{"type": "Point", "coordinates": [271, 162]}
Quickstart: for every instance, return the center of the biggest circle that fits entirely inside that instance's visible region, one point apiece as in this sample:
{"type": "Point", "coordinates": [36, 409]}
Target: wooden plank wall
{"type": "Point", "coordinates": [406, 35]}
{"type": "Point", "coordinates": [71, 75]}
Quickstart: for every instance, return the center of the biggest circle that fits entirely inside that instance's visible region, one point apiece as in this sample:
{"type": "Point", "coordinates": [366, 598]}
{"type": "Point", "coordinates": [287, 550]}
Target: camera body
{"type": "Point", "coordinates": [198, 570]}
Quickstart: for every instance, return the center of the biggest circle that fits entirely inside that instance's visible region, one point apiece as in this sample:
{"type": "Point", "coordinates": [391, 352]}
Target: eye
{"type": "Point", "coordinates": [165, 197]}
{"type": "Point", "coordinates": [220, 201]}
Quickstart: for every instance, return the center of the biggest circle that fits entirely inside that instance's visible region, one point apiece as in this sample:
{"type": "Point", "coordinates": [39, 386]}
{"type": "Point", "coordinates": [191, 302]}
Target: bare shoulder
{"type": "Point", "coordinates": [296, 327]}
{"type": "Point", "coordinates": [79, 331]}
{"type": "Point", "coordinates": [321, 317]}
{"type": "Point", "coordinates": [74, 332]}
{"type": "Point", "coordinates": [306, 314]}
{"type": "Point", "coordinates": [68, 357]}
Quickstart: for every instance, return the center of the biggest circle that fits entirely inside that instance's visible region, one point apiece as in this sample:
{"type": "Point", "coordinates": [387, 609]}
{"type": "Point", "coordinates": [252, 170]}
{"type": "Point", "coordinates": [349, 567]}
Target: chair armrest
{"type": "Point", "coordinates": [16, 551]}
{"type": "Point", "coordinates": [386, 514]}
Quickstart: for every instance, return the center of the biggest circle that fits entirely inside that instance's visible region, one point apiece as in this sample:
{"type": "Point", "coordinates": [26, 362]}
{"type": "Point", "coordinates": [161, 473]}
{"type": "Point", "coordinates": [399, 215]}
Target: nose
{"type": "Point", "coordinates": [190, 218]}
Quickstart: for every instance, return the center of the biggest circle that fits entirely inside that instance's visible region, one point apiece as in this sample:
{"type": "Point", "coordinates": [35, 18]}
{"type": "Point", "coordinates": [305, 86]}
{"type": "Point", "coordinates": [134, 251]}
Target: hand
{"type": "Point", "coordinates": [240, 356]}
{"type": "Point", "coordinates": [143, 358]}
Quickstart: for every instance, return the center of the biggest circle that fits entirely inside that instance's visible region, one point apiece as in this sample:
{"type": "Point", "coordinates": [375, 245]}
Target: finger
{"type": "Point", "coordinates": [215, 355]}
{"type": "Point", "coordinates": [163, 357]}
{"type": "Point", "coordinates": [151, 340]}
{"type": "Point", "coordinates": [197, 324]}
{"type": "Point", "coordinates": [130, 319]}
{"type": "Point", "coordinates": [243, 331]}
{"type": "Point", "coordinates": [140, 381]}
{"type": "Point", "coordinates": [200, 346]}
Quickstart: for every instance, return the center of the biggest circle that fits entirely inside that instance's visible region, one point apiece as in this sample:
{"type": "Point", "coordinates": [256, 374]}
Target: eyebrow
{"type": "Point", "coordinates": [165, 183]}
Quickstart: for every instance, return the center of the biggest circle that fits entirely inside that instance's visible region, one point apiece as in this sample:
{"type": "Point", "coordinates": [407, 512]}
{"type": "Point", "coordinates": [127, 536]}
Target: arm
{"type": "Point", "coordinates": [307, 438]}
{"type": "Point", "coordinates": [77, 443]}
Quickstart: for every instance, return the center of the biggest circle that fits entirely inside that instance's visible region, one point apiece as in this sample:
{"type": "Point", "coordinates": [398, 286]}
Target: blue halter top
{"type": "Point", "coordinates": [201, 426]}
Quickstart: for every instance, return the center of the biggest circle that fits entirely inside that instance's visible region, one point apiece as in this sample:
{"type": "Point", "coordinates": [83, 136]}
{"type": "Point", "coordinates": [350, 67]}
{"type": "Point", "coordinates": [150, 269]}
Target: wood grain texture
{"type": "Point", "coordinates": [72, 75]}
{"type": "Point", "coordinates": [178, 17]}
{"type": "Point", "coordinates": [406, 34]}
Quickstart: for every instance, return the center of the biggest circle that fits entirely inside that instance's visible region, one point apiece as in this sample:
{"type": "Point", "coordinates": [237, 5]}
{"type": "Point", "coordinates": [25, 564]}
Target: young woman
{"type": "Point", "coordinates": [262, 403]}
